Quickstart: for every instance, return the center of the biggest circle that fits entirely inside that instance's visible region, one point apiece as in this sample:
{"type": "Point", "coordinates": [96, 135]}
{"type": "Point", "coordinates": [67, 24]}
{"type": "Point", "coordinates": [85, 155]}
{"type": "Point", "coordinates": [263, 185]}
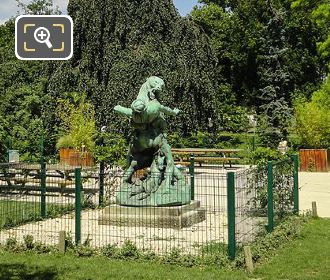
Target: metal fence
{"type": "Point", "coordinates": [229, 207]}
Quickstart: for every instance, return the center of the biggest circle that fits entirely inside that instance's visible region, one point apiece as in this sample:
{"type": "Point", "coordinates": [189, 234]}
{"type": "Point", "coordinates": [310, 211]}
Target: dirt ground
{"type": "Point", "coordinates": [315, 187]}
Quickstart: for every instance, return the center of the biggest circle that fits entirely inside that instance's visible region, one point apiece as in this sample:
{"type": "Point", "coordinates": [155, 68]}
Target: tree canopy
{"type": "Point", "coordinates": [119, 44]}
{"type": "Point", "coordinates": [227, 59]}
{"type": "Point", "coordinates": [267, 51]}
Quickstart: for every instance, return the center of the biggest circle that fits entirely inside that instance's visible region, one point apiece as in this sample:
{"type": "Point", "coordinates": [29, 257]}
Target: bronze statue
{"type": "Point", "coordinates": [163, 183]}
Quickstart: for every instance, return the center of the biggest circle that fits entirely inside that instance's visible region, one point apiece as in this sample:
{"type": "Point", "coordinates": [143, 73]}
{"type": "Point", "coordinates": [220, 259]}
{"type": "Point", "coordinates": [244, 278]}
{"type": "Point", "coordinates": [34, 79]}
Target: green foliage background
{"type": "Point", "coordinates": [313, 119]}
{"type": "Point", "coordinates": [224, 61]}
{"type": "Point", "coordinates": [118, 44]}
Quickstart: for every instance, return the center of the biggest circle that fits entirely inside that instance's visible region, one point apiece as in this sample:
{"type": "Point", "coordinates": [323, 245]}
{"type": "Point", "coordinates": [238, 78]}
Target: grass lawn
{"type": "Point", "coordinates": [13, 213]}
{"type": "Point", "coordinates": [51, 267]}
{"type": "Point", "coordinates": [307, 257]}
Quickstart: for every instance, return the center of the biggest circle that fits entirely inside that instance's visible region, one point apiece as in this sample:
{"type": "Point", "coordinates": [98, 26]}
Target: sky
{"type": "Point", "coordinates": [9, 8]}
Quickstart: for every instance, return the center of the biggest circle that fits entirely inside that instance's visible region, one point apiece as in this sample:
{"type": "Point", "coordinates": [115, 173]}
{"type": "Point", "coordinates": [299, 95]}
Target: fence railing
{"type": "Point", "coordinates": [228, 207]}
{"type": "Point", "coordinates": [260, 197]}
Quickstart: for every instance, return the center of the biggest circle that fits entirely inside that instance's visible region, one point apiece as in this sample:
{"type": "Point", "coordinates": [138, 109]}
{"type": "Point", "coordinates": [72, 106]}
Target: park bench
{"type": "Point", "coordinates": [201, 156]}
{"type": "Point", "coordinates": [62, 183]}
{"type": "Point", "coordinates": [27, 177]}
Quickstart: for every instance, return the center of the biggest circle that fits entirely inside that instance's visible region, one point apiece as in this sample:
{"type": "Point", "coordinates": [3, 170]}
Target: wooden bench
{"type": "Point", "coordinates": [205, 155]}
{"type": "Point", "coordinates": [59, 182]}
{"type": "Point", "coordinates": [201, 160]}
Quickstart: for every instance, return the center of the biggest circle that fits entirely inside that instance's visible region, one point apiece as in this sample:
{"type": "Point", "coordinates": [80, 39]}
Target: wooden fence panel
{"type": "Point", "coordinates": [313, 160]}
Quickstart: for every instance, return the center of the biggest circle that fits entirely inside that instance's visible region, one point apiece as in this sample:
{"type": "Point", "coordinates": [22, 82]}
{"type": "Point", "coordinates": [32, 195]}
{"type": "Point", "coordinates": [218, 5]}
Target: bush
{"type": "Point", "coordinates": [28, 242]}
{"type": "Point", "coordinates": [313, 119]}
{"type": "Point", "coordinates": [84, 251]}
{"type": "Point", "coordinates": [266, 245]}
{"type": "Point", "coordinates": [78, 122]}
{"type": "Point", "coordinates": [129, 251]}
{"type": "Point", "coordinates": [110, 251]}
{"type": "Point", "coordinates": [12, 245]}
{"type": "Point", "coordinates": [234, 118]}
{"type": "Point", "coordinates": [111, 149]}
{"type": "Point", "coordinates": [268, 135]}
{"type": "Point", "coordinates": [262, 155]}
{"type": "Point", "coordinates": [65, 141]}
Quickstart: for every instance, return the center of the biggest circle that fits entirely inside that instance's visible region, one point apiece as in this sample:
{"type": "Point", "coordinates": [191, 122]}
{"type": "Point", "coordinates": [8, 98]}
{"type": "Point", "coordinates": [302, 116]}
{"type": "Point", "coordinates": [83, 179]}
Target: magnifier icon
{"type": "Point", "coordinates": [42, 35]}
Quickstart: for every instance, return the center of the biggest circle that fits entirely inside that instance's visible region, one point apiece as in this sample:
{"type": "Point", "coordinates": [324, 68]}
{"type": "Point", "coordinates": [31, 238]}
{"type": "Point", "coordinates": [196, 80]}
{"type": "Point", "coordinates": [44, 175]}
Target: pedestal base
{"type": "Point", "coordinates": [162, 217]}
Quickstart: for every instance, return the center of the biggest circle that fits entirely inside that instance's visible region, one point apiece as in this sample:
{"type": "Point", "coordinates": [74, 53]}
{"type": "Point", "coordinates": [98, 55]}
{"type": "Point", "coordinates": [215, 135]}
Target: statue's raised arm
{"type": "Point", "coordinates": [169, 111]}
{"type": "Point", "coordinates": [123, 110]}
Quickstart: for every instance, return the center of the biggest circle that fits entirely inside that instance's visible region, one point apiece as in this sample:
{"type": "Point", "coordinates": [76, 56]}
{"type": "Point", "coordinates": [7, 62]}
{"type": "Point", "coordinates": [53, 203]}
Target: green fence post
{"type": "Point", "coordinates": [295, 184]}
{"type": "Point", "coordinates": [78, 205]}
{"type": "Point", "coordinates": [42, 180]}
{"type": "Point", "coordinates": [192, 176]}
{"type": "Point", "coordinates": [231, 214]}
{"type": "Point", "coordinates": [43, 188]}
{"type": "Point", "coordinates": [270, 206]}
{"type": "Point", "coordinates": [101, 183]}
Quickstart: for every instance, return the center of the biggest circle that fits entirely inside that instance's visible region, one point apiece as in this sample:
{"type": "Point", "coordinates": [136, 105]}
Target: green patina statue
{"type": "Point", "coordinates": [161, 183]}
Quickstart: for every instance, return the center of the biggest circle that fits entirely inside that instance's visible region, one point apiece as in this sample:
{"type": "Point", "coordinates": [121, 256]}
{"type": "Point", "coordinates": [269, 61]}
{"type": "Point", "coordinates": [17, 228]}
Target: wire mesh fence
{"type": "Point", "coordinates": [250, 203]}
{"type": "Point", "coordinates": [283, 188]}
{"type": "Point", "coordinates": [227, 207]}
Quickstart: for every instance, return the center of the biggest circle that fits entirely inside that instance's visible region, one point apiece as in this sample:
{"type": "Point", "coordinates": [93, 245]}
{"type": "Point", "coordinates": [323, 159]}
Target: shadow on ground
{"type": "Point", "coordinates": [22, 271]}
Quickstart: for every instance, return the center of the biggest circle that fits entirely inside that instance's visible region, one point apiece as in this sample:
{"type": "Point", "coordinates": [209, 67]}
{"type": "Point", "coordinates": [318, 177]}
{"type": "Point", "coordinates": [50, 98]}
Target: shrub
{"type": "Point", "coordinates": [110, 251]}
{"type": "Point", "coordinates": [262, 155]}
{"type": "Point", "coordinates": [84, 251]}
{"type": "Point", "coordinates": [111, 149]}
{"type": "Point", "coordinates": [28, 242]}
{"type": "Point", "coordinates": [78, 122]}
{"type": "Point", "coordinates": [65, 141]}
{"type": "Point", "coordinates": [268, 135]}
{"type": "Point", "coordinates": [129, 250]}
{"type": "Point", "coordinates": [313, 119]}
{"type": "Point", "coordinates": [11, 244]}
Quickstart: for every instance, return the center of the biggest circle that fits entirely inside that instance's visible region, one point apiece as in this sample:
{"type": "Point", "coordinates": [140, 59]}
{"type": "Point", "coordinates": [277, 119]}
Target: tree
{"type": "Point", "coordinates": [267, 51]}
{"type": "Point", "coordinates": [273, 74]}
{"type": "Point", "coordinates": [23, 94]}
{"type": "Point", "coordinates": [118, 44]}
{"type": "Point", "coordinates": [312, 116]}
{"type": "Point", "coordinates": [319, 11]}
{"type": "Point", "coordinates": [39, 7]}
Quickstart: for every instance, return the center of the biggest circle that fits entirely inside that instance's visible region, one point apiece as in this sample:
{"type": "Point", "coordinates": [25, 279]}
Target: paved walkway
{"type": "Point", "coordinates": [315, 187]}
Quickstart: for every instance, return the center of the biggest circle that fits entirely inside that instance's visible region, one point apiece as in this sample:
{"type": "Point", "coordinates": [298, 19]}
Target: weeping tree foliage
{"type": "Point", "coordinates": [119, 43]}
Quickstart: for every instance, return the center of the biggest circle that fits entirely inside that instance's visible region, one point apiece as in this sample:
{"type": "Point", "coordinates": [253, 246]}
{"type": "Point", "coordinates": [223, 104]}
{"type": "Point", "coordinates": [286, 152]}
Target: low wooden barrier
{"type": "Point", "coordinates": [314, 160]}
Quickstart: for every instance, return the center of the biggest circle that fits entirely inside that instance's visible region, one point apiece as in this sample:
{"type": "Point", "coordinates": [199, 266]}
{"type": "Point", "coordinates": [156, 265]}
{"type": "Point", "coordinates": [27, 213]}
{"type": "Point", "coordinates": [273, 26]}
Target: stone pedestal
{"type": "Point", "coordinates": [161, 217]}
